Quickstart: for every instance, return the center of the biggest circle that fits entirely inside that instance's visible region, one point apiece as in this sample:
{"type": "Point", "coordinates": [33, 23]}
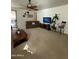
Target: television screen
{"type": "Point", "coordinates": [46, 19]}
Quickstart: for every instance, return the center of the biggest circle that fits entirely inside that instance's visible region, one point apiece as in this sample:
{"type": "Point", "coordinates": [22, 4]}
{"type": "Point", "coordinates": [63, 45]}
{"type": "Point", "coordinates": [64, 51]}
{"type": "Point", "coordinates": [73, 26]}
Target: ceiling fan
{"type": "Point", "coordinates": [30, 6]}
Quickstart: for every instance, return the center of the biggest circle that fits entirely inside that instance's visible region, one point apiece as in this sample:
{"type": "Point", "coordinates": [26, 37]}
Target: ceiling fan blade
{"type": "Point", "coordinates": [36, 9]}
{"type": "Point", "coordinates": [34, 6]}
{"type": "Point", "coordinates": [30, 8]}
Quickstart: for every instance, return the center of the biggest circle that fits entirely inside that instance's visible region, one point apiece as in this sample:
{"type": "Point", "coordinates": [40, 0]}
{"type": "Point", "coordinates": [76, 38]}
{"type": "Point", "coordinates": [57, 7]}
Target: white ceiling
{"type": "Point", "coordinates": [42, 4]}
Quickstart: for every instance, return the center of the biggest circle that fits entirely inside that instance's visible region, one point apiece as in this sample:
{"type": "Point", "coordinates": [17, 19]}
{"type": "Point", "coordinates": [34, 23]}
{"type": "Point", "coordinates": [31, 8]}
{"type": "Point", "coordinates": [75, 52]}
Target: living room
{"type": "Point", "coordinates": [35, 34]}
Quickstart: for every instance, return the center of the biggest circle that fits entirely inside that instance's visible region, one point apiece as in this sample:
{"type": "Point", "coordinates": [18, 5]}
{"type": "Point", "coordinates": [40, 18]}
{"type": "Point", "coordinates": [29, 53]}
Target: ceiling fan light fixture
{"type": "Point", "coordinates": [29, 5]}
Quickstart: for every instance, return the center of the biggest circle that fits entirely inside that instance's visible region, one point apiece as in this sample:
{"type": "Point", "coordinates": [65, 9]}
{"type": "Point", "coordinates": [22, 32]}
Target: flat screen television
{"type": "Point", "coordinates": [47, 20]}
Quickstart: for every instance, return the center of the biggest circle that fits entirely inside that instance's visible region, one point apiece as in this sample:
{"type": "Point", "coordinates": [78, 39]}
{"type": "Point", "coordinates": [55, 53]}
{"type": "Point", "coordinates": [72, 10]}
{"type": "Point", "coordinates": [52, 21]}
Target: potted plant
{"type": "Point", "coordinates": [55, 18]}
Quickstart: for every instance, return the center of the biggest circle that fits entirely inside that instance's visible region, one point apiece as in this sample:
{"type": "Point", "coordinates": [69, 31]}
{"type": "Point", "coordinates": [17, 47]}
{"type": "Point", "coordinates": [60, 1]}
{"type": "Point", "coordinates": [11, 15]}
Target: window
{"type": "Point", "coordinates": [13, 19]}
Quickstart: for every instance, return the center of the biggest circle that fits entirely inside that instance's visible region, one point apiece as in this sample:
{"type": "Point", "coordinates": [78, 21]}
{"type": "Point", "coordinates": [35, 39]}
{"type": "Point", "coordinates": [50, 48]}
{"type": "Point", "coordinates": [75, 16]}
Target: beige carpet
{"type": "Point", "coordinates": [44, 44]}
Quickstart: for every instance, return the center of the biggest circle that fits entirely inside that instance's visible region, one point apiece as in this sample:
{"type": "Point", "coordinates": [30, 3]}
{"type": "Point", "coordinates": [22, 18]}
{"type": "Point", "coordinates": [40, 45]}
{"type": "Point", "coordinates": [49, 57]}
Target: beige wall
{"type": "Point", "coordinates": [62, 12]}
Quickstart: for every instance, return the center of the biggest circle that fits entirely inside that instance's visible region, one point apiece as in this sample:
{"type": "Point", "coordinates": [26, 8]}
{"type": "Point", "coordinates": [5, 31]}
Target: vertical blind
{"type": "Point", "coordinates": [13, 18]}
{"type": "Point", "coordinates": [13, 15]}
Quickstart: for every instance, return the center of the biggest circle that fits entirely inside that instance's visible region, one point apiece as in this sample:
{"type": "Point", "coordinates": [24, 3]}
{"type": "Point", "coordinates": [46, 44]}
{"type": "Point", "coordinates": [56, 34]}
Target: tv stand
{"type": "Point", "coordinates": [45, 26]}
